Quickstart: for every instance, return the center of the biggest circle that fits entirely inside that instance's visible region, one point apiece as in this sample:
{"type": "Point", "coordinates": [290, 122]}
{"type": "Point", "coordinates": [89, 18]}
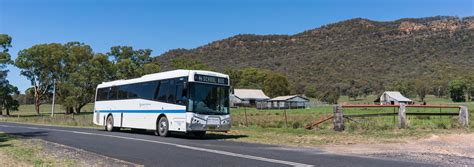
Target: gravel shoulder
{"type": "Point", "coordinates": [443, 150]}
{"type": "Point", "coordinates": [36, 152]}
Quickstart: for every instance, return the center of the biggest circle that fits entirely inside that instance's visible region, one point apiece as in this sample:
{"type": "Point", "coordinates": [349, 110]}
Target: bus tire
{"type": "Point", "coordinates": [162, 127]}
{"type": "Point", "coordinates": [109, 126]}
{"type": "Point", "coordinates": [199, 133]}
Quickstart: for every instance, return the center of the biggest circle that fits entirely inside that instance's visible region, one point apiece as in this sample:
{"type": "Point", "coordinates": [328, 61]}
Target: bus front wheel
{"type": "Point", "coordinates": [162, 127]}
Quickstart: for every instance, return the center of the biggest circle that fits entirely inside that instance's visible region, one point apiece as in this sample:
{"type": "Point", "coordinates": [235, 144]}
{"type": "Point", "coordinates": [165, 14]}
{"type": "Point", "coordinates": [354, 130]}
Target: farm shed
{"type": "Point", "coordinates": [293, 101]}
{"type": "Point", "coordinates": [392, 97]}
{"type": "Point", "coordinates": [247, 97]}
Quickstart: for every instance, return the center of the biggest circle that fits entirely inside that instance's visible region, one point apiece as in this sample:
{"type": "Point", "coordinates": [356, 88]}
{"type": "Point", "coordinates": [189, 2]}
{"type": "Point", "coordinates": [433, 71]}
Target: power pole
{"type": "Point", "coordinates": [54, 97]}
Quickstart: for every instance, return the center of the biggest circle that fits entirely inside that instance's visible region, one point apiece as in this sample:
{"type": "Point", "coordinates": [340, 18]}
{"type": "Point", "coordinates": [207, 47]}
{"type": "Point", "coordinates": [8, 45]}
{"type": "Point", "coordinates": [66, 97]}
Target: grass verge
{"type": "Point", "coordinates": [26, 152]}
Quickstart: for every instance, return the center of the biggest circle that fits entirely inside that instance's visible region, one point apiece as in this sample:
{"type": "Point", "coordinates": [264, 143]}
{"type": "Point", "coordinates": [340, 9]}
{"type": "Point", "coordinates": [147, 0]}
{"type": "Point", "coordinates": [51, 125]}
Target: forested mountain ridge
{"type": "Point", "coordinates": [372, 53]}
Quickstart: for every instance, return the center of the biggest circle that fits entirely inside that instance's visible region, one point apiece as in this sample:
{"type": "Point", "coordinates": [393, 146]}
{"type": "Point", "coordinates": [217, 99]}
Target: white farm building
{"type": "Point", "coordinates": [293, 101]}
{"type": "Point", "coordinates": [247, 97]}
{"type": "Point", "coordinates": [392, 97]}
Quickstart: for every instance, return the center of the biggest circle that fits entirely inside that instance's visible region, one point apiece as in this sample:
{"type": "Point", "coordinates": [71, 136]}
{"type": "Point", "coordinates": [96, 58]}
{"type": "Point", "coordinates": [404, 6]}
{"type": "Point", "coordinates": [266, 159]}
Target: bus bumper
{"type": "Point", "coordinates": [209, 123]}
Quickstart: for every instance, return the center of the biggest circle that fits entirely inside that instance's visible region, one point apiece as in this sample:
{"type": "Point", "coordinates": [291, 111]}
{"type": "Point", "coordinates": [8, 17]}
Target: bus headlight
{"type": "Point", "coordinates": [225, 121]}
{"type": "Point", "coordinates": [197, 120]}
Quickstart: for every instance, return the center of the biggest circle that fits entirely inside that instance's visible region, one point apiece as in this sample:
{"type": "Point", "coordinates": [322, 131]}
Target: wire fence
{"type": "Point", "coordinates": [381, 118]}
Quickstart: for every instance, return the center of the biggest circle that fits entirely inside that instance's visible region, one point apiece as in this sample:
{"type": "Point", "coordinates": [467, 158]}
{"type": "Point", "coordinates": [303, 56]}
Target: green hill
{"type": "Point", "coordinates": [372, 53]}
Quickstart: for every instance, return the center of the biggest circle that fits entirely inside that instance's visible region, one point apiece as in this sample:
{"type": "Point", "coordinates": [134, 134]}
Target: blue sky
{"type": "Point", "coordinates": [165, 25]}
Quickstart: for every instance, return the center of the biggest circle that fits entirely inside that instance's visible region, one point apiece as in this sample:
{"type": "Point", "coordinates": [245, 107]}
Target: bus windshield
{"type": "Point", "coordinates": [208, 99]}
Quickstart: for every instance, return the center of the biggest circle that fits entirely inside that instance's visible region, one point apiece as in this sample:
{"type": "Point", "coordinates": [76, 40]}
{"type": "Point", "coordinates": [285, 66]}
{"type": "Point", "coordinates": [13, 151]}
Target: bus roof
{"type": "Point", "coordinates": [162, 75]}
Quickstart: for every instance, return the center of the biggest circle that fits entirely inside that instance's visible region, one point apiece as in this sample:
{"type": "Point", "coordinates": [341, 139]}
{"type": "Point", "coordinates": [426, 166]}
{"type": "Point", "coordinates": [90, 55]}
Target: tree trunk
{"type": "Point", "coordinates": [1, 111]}
{"type": "Point", "coordinates": [37, 100]}
{"type": "Point", "coordinates": [78, 109]}
{"type": "Point", "coordinates": [69, 110]}
{"type": "Point", "coordinates": [8, 112]}
{"type": "Point", "coordinates": [74, 110]}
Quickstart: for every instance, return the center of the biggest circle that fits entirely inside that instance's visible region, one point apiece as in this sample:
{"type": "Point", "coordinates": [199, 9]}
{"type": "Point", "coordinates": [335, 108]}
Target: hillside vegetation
{"type": "Point", "coordinates": [372, 53]}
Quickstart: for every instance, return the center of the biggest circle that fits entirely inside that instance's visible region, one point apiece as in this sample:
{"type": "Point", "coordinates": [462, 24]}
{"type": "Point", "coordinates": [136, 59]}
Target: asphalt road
{"type": "Point", "coordinates": [150, 150]}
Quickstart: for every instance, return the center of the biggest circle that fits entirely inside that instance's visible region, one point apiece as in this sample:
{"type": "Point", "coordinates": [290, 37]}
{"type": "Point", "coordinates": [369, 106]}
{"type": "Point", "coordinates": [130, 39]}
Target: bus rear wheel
{"type": "Point", "coordinates": [109, 126]}
{"type": "Point", "coordinates": [162, 127]}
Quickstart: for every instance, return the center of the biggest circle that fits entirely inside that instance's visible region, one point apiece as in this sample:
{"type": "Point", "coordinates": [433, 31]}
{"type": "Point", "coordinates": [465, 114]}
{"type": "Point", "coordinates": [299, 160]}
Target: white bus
{"type": "Point", "coordinates": [190, 101]}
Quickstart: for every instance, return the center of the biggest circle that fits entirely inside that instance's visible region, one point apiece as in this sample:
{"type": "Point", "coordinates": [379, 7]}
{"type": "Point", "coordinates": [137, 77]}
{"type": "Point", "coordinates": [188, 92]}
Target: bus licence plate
{"type": "Point", "coordinates": [213, 121]}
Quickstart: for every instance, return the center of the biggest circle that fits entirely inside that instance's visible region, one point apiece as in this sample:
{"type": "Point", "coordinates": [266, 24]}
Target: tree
{"type": "Point", "coordinates": [73, 87]}
{"type": "Point", "coordinates": [7, 101]}
{"type": "Point", "coordinates": [7, 91]}
{"type": "Point", "coordinates": [311, 91]}
{"type": "Point", "coordinates": [131, 63]}
{"type": "Point", "coordinates": [41, 64]}
{"type": "Point", "coordinates": [252, 78]}
{"type": "Point", "coordinates": [403, 87]}
{"type": "Point", "coordinates": [456, 90]}
{"type": "Point", "coordinates": [330, 96]}
{"type": "Point", "coordinates": [421, 88]}
{"type": "Point", "coordinates": [82, 83]}
{"type": "Point", "coordinates": [83, 71]}
{"type": "Point", "coordinates": [470, 87]}
{"type": "Point", "coordinates": [5, 44]}
{"type": "Point", "coordinates": [354, 90]}
{"type": "Point", "coordinates": [189, 64]}
{"type": "Point", "coordinates": [276, 84]}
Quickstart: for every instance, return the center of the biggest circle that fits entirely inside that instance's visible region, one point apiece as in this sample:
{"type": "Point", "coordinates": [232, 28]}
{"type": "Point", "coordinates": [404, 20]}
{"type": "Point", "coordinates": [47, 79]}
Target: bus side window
{"type": "Point", "coordinates": [123, 91]}
{"type": "Point", "coordinates": [147, 90]}
{"type": "Point", "coordinates": [113, 93]}
{"type": "Point", "coordinates": [172, 91]}
{"type": "Point", "coordinates": [181, 93]}
{"type": "Point", "coordinates": [132, 91]}
{"type": "Point", "coordinates": [102, 94]}
{"type": "Point", "coordinates": [157, 90]}
{"type": "Point", "coordinates": [163, 91]}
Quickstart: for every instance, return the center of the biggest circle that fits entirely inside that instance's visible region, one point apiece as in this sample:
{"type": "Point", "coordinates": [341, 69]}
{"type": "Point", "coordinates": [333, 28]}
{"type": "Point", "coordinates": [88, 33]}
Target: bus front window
{"type": "Point", "coordinates": [208, 99]}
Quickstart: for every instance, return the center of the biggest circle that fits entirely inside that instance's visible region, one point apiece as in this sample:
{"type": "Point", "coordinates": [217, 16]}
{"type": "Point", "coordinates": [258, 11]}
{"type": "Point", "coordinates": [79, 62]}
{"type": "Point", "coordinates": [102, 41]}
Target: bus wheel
{"type": "Point", "coordinates": [162, 127]}
{"type": "Point", "coordinates": [109, 126]}
{"type": "Point", "coordinates": [199, 133]}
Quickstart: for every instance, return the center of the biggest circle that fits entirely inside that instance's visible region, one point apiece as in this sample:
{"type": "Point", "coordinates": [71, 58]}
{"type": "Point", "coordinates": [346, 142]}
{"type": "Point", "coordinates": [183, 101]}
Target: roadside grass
{"type": "Point", "coordinates": [303, 137]}
{"type": "Point", "coordinates": [27, 152]}
{"type": "Point", "coordinates": [27, 114]}
{"type": "Point", "coordinates": [272, 127]}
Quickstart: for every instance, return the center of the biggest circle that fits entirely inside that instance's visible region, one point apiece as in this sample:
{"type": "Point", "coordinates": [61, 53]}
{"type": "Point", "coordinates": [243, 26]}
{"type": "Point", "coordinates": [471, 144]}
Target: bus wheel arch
{"type": "Point", "coordinates": [162, 126]}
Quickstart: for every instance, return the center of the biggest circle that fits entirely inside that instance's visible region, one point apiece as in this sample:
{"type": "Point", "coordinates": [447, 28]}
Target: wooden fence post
{"type": "Point", "coordinates": [402, 116]}
{"type": "Point", "coordinates": [245, 113]}
{"type": "Point", "coordinates": [338, 120]}
{"type": "Point", "coordinates": [463, 116]}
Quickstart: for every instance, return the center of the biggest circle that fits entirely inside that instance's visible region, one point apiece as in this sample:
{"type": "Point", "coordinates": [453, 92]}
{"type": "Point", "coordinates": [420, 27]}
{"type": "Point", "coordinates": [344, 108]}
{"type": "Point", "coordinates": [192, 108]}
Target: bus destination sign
{"type": "Point", "coordinates": [211, 79]}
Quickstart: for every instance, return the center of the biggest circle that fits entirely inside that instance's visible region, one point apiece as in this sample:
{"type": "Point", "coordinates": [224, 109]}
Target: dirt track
{"type": "Point", "coordinates": [444, 150]}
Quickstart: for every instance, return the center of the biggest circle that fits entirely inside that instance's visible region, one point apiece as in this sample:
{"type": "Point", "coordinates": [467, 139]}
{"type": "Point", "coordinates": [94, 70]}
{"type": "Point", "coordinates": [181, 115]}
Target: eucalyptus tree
{"type": "Point", "coordinates": [41, 64]}
{"type": "Point", "coordinates": [130, 63]}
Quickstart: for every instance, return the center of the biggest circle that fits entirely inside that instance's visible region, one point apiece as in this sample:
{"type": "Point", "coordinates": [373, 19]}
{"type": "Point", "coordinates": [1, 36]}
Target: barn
{"type": "Point", "coordinates": [392, 97]}
{"type": "Point", "coordinates": [293, 101]}
{"type": "Point", "coordinates": [247, 97]}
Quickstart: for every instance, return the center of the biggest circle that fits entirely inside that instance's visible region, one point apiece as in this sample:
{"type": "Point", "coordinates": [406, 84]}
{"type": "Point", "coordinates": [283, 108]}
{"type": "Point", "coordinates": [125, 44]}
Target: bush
{"type": "Point", "coordinates": [296, 125]}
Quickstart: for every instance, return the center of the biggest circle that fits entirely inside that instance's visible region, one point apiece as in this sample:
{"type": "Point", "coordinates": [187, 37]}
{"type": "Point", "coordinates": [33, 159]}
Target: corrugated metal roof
{"type": "Point", "coordinates": [284, 98]}
{"type": "Point", "coordinates": [256, 94]}
{"type": "Point", "coordinates": [396, 95]}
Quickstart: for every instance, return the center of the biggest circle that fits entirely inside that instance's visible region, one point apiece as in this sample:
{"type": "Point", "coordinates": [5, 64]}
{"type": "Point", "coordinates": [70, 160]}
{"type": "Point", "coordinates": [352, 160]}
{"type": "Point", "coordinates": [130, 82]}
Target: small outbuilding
{"type": "Point", "coordinates": [392, 97]}
{"type": "Point", "coordinates": [247, 97]}
{"type": "Point", "coordinates": [293, 101]}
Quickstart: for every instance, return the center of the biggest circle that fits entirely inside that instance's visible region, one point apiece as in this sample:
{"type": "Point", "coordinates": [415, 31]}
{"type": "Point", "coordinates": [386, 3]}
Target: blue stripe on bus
{"type": "Point", "coordinates": [141, 111]}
